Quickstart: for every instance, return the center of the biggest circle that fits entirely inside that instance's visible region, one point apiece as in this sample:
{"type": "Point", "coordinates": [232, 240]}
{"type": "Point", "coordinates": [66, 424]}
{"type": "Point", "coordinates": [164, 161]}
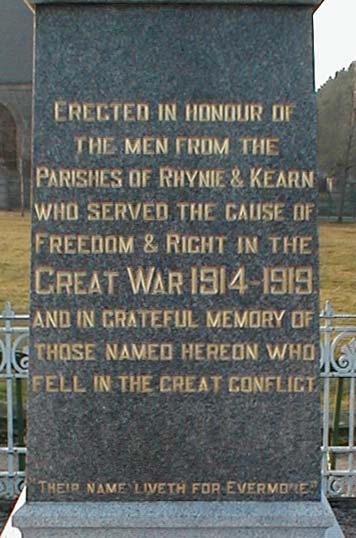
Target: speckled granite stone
{"type": "Point", "coordinates": [177, 520]}
{"type": "Point", "coordinates": [243, 445]}
{"type": "Point", "coordinates": [211, 444]}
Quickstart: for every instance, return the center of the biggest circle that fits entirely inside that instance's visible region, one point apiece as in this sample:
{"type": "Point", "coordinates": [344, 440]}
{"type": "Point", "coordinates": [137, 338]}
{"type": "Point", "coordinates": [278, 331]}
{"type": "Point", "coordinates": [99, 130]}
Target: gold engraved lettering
{"type": "Point", "coordinates": [282, 112]}
{"type": "Point", "coordinates": [196, 211]}
{"type": "Point", "coordinates": [179, 178]}
{"type": "Point", "coordinates": [245, 319]}
{"type": "Point", "coordinates": [126, 211]}
{"type": "Point", "coordinates": [195, 244]}
{"type": "Point", "coordinates": [262, 178]}
{"type": "Point", "coordinates": [167, 112]}
{"type": "Point", "coordinates": [136, 383]}
{"type": "Point", "coordinates": [291, 244]}
{"type": "Point", "coordinates": [260, 146]}
{"type": "Point", "coordinates": [206, 280]}
{"type": "Point", "coordinates": [247, 245]}
{"type": "Point", "coordinates": [148, 145]}
{"type": "Point", "coordinates": [206, 488]}
{"type": "Point", "coordinates": [51, 282]}
{"type": "Point", "coordinates": [85, 319]}
{"type": "Point", "coordinates": [302, 319]}
{"type": "Point", "coordinates": [288, 280]}
{"type": "Point", "coordinates": [106, 488]}
{"type": "Point", "coordinates": [139, 178]}
{"type": "Point", "coordinates": [219, 352]}
{"type": "Point", "coordinates": [65, 351]}
{"type": "Point", "coordinates": [100, 112]}
{"type": "Point", "coordinates": [266, 488]}
{"type": "Point", "coordinates": [102, 383]}
{"type": "Point", "coordinates": [57, 384]}
{"type": "Point", "coordinates": [190, 384]}
{"type": "Point", "coordinates": [153, 319]}
{"type": "Point", "coordinates": [298, 352]}
{"type": "Point", "coordinates": [303, 212]}
{"type": "Point", "coordinates": [202, 145]}
{"type": "Point", "coordinates": [261, 211]}
{"type": "Point", "coordinates": [97, 145]}
{"type": "Point", "coordinates": [224, 112]}
{"type": "Point", "coordinates": [152, 281]}
{"type": "Point", "coordinates": [57, 211]}
{"type": "Point", "coordinates": [84, 244]}
{"type": "Point", "coordinates": [267, 384]}
{"type": "Point", "coordinates": [52, 319]}
{"type": "Point", "coordinates": [78, 178]}
{"type": "Point", "coordinates": [139, 352]}
{"type": "Point", "coordinates": [159, 488]}
{"type": "Point", "coordinates": [58, 488]}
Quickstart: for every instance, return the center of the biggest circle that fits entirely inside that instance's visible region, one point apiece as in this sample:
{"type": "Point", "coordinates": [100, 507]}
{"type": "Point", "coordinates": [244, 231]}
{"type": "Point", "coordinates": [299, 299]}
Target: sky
{"type": "Point", "coordinates": [335, 38]}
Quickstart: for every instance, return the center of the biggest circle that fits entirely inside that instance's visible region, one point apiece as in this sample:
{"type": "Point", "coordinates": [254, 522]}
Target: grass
{"type": "Point", "coordinates": [15, 261]}
{"type": "Point", "coordinates": [337, 263]}
{"type": "Point", "coordinates": [338, 266]}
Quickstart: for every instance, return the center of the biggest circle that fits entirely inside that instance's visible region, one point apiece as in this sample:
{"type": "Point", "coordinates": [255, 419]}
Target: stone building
{"type": "Point", "coordinates": [15, 103]}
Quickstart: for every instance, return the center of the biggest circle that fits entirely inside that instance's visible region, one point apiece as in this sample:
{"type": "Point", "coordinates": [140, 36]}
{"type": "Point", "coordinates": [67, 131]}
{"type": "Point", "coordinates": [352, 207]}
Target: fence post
{"type": "Point", "coordinates": [328, 312]}
{"type": "Point", "coordinates": [8, 314]}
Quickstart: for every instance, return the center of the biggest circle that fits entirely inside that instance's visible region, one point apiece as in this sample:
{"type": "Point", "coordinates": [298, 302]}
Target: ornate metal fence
{"type": "Point", "coordinates": [14, 358]}
{"type": "Point", "coordinates": [338, 374]}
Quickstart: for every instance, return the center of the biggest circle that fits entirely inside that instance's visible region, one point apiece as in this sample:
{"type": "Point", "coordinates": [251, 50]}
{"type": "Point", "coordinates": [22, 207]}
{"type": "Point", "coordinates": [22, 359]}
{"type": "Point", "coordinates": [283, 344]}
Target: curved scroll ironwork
{"type": "Point", "coordinates": [20, 357]}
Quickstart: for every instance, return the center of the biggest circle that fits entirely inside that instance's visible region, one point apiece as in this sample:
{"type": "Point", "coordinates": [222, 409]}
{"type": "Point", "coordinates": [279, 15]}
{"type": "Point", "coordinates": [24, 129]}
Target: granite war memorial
{"type": "Point", "coordinates": [174, 296]}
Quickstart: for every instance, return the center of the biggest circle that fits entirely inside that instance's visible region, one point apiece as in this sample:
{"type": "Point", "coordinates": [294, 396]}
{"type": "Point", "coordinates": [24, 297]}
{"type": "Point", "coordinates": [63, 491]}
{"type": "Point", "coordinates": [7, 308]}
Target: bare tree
{"type": "Point", "coordinates": [345, 177]}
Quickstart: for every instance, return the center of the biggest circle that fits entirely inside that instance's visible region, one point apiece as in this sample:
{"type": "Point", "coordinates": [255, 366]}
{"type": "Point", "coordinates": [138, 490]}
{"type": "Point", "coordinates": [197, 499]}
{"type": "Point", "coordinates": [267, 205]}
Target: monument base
{"type": "Point", "coordinates": [177, 520]}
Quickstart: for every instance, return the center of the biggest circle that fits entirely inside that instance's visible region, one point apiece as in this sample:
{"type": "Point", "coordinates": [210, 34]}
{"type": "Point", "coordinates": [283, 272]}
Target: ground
{"type": "Point", "coordinates": [337, 259]}
{"type": "Point", "coordinates": [338, 266]}
{"type": "Point", "coordinates": [14, 260]}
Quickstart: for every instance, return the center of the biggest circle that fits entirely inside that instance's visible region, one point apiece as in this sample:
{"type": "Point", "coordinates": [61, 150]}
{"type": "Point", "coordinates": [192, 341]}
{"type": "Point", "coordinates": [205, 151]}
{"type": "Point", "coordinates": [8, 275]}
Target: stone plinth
{"type": "Point", "coordinates": [178, 520]}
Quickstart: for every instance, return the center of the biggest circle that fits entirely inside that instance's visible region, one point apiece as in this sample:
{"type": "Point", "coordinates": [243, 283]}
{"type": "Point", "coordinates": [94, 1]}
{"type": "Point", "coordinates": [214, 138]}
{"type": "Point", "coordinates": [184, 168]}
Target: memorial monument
{"type": "Point", "coordinates": [174, 383]}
